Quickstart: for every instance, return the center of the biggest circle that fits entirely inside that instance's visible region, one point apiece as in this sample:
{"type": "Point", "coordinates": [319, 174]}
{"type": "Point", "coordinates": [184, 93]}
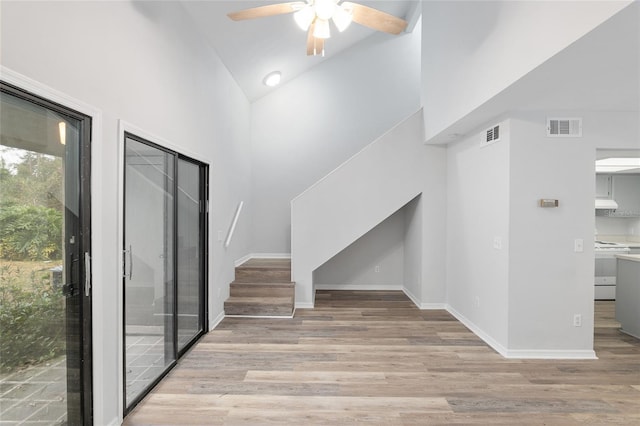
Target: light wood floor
{"type": "Point", "coordinates": [374, 358]}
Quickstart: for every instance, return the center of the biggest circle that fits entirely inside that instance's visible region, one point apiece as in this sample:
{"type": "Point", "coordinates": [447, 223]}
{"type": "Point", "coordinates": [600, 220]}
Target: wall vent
{"type": "Point", "coordinates": [491, 135]}
{"type": "Point", "coordinates": [564, 127]}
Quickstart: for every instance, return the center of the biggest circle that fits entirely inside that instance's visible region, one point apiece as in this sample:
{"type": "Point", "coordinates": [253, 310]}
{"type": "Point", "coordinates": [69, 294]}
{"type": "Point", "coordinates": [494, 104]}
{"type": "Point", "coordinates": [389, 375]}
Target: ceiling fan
{"type": "Point", "coordinates": [313, 16]}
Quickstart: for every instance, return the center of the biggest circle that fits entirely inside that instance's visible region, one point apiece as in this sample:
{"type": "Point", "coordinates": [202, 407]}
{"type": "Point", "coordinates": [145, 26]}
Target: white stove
{"type": "Point", "coordinates": [606, 268]}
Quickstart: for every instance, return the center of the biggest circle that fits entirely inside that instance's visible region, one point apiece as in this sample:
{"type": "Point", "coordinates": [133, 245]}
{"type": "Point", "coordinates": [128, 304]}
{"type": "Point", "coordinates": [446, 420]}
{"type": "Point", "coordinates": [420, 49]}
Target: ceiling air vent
{"type": "Point", "coordinates": [491, 135]}
{"type": "Point", "coordinates": [564, 127]}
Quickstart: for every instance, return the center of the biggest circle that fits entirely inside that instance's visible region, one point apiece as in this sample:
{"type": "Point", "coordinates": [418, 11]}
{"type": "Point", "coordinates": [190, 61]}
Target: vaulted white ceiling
{"type": "Point", "coordinates": [251, 49]}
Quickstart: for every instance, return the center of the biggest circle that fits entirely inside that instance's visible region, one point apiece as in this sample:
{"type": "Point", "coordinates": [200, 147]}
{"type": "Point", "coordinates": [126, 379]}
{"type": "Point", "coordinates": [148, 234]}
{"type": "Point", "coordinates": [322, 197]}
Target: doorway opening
{"type": "Point", "coordinates": [164, 261]}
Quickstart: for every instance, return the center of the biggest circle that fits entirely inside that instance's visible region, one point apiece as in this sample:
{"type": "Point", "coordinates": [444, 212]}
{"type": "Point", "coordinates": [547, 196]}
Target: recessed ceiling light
{"type": "Point", "coordinates": [272, 79]}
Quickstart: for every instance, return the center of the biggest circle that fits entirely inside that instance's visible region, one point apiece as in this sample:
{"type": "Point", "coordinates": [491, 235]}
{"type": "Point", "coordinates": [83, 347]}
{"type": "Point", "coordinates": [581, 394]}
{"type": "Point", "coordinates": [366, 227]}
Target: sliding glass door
{"type": "Point", "coordinates": [164, 269]}
{"type": "Point", "coordinates": [45, 280]}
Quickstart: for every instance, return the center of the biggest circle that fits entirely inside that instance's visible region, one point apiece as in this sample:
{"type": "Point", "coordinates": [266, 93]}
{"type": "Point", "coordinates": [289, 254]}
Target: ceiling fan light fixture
{"type": "Point", "coordinates": [324, 9]}
{"type": "Point", "coordinates": [272, 79]}
{"type": "Point", "coordinates": [304, 17]}
{"type": "Point", "coordinates": [321, 29]}
{"type": "Point", "coordinates": [342, 18]}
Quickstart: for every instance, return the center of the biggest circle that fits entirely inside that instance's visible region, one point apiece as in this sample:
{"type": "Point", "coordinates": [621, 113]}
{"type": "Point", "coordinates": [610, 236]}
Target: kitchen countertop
{"type": "Point", "coordinates": [631, 257]}
{"type": "Point", "coordinates": [632, 241]}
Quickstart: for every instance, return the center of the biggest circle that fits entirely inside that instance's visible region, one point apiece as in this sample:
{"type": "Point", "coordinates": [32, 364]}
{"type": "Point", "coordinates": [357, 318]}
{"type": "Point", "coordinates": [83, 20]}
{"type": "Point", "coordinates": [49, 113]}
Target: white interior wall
{"type": "Point", "coordinates": [310, 125]}
{"type": "Point", "coordinates": [478, 213]}
{"type": "Point", "coordinates": [472, 50]}
{"type": "Point", "coordinates": [549, 282]}
{"type": "Point", "coordinates": [434, 228]}
{"type": "Point", "coordinates": [373, 262]}
{"type": "Point", "coordinates": [143, 63]}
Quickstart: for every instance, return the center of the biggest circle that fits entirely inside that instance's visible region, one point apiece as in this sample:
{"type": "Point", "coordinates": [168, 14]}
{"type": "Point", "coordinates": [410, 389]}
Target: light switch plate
{"type": "Point", "coordinates": [578, 245]}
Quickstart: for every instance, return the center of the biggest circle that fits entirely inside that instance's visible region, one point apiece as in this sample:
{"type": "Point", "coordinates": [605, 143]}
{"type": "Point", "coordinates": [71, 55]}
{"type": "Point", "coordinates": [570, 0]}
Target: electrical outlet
{"type": "Point", "coordinates": [377, 268]}
{"type": "Point", "coordinates": [219, 235]}
{"type": "Point", "coordinates": [578, 245]}
{"type": "Point", "coordinates": [577, 320]}
{"type": "Point", "coordinates": [497, 243]}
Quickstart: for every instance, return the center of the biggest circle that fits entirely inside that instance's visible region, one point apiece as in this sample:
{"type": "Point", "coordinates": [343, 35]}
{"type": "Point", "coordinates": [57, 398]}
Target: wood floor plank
{"type": "Point", "coordinates": [373, 357]}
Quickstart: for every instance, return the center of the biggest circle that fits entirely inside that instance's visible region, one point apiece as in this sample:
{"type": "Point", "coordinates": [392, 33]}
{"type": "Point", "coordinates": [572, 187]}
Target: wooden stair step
{"type": "Point", "coordinates": [238, 289]}
{"type": "Point", "coordinates": [259, 306]}
{"type": "Point", "coordinates": [264, 270]}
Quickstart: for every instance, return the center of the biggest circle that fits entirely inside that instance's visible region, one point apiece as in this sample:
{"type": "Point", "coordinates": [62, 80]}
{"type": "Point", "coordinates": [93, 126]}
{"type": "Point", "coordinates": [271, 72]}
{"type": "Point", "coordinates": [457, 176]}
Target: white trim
{"type": "Point", "coordinates": [433, 306]}
{"type": "Point", "coordinates": [97, 268]}
{"type": "Point", "coordinates": [303, 305]}
{"type": "Point", "coordinates": [125, 126]}
{"type": "Point", "coordinates": [364, 287]}
{"type": "Point", "coordinates": [264, 316]}
{"type": "Point", "coordinates": [242, 260]}
{"type": "Point", "coordinates": [118, 256]}
{"type": "Point", "coordinates": [629, 333]}
{"type": "Point", "coordinates": [250, 256]}
{"type": "Point", "coordinates": [550, 354]}
{"type": "Point", "coordinates": [114, 422]}
{"type": "Point", "coordinates": [478, 331]}
{"type": "Point", "coordinates": [216, 321]}
{"type": "Point", "coordinates": [411, 296]}
{"type": "Point", "coordinates": [522, 353]}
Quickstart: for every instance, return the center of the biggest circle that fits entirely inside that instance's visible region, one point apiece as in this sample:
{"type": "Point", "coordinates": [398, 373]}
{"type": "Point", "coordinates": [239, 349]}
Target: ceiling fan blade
{"type": "Point", "coordinates": [375, 19]}
{"type": "Point", "coordinates": [269, 10]}
{"type": "Point", "coordinates": [315, 46]}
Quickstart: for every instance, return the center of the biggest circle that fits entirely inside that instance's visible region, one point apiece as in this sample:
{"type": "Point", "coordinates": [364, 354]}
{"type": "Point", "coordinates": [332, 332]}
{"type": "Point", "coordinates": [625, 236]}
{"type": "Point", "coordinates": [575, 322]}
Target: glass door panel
{"type": "Point", "coordinates": [149, 266]}
{"type": "Point", "coordinates": [44, 235]}
{"type": "Point", "coordinates": [189, 253]}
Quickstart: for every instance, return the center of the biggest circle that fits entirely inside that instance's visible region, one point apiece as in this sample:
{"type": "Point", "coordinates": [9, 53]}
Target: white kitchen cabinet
{"type": "Point", "coordinates": [625, 190]}
{"type": "Point", "coordinates": [603, 186]}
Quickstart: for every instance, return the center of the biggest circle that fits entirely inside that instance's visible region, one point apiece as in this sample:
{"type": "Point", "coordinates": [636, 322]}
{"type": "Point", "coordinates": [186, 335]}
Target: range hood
{"type": "Point", "coordinates": [604, 204]}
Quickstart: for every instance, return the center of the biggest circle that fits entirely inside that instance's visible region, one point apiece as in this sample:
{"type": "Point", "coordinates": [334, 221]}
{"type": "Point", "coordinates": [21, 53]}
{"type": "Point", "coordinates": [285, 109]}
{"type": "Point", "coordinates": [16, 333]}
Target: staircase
{"type": "Point", "coordinates": [262, 288]}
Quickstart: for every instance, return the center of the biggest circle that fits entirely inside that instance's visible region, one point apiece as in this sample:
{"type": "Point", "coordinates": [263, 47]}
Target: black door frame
{"type": "Point", "coordinates": [204, 247]}
{"type": "Point", "coordinates": [80, 279]}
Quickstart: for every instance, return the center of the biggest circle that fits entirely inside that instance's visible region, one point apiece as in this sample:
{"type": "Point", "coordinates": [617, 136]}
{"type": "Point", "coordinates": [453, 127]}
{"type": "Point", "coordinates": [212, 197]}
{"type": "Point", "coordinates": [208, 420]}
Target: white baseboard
{"type": "Point", "coordinates": [250, 256]}
{"type": "Point", "coordinates": [411, 296]}
{"type": "Point", "coordinates": [478, 331]}
{"type": "Point", "coordinates": [433, 306]}
{"type": "Point", "coordinates": [629, 334]}
{"type": "Point", "coordinates": [550, 354]}
{"type": "Point", "coordinates": [423, 306]}
{"type": "Point", "coordinates": [217, 320]}
{"type": "Point", "coordinates": [522, 353]}
{"type": "Point", "coordinates": [304, 305]}
{"type": "Point", "coordinates": [364, 287]}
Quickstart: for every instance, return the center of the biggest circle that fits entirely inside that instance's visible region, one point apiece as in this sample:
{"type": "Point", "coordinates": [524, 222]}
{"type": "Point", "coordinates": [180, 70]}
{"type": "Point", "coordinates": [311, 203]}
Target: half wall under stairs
{"type": "Point", "coordinates": [262, 288]}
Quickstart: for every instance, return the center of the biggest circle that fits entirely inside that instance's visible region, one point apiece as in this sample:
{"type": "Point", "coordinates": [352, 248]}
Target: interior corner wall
{"type": "Point", "coordinates": [413, 254]}
{"type": "Point", "coordinates": [477, 239]}
{"type": "Point", "coordinates": [315, 122]}
{"type": "Point", "coordinates": [141, 62]}
{"type": "Point", "coordinates": [434, 228]}
{"type": "Point", "coordinates": [373, 262]}
{"type": "Point", "coordinates": [472, 50]}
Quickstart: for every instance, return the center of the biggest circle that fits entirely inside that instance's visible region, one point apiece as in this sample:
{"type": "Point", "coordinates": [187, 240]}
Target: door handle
{"type": "Point", "coordinates": [124, 263]}
{"type": "Point", "coordinates": [87, 274]}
